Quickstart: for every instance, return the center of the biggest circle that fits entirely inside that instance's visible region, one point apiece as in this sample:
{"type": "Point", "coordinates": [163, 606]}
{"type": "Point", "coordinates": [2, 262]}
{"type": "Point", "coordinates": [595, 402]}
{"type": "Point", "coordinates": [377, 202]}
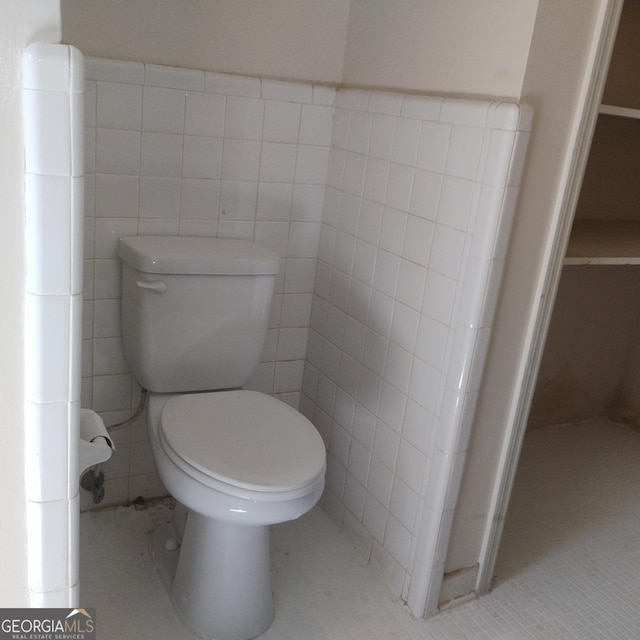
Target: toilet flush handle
{"type": "Point", "coordinates": [158, 286]}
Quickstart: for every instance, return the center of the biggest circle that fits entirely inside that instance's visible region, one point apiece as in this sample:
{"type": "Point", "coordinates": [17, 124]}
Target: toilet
{"type": "Point", "coordinates": [194, 319]}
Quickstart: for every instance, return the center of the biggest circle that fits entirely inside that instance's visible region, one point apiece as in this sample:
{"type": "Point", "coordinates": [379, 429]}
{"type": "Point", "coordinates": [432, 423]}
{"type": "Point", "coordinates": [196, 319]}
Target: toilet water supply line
{"type": "Point", "coordinates": [136, 413]}
{"type": "Point", "coordinates": [119, 425]}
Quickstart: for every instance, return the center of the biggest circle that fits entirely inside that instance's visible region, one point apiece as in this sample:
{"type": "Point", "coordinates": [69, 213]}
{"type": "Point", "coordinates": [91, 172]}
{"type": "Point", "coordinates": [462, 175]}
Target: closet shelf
{"type": "Point", "coordinates": [603, 242]}
{"type": "Point", "coordinates": [625, 112]}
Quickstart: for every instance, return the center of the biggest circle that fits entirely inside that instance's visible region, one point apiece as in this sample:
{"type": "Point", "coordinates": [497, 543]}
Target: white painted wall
{"type": "Point", "coordinates": [475, 47]}
{"type": "Point", "coordinates": [287, 39]}
{"type": "Point", "coordinates": [21, 22]}
{"type": "Point", "coordinates": [448, 46]}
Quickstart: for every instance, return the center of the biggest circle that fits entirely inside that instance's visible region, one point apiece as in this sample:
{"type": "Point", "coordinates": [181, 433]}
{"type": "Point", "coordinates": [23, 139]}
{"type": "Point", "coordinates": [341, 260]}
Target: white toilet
{"type": "Point", "coordinates": [194, 319]}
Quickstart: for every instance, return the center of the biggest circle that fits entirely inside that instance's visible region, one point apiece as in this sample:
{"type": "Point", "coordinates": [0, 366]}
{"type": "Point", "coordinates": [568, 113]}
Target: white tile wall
{"type": "Point", "coordinates": [418, 193]}
{"type": "Point", "coordinates": [391, 214]}
{"type": "Point", "coordinates": [53, 122]}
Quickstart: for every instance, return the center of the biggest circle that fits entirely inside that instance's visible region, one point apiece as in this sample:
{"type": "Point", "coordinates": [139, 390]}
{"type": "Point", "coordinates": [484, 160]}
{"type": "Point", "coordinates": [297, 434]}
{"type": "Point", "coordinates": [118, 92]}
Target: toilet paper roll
{"type": "Point", "coordinates": [92, 429]}
{"type": "Point", "coordinates": [95, 445]}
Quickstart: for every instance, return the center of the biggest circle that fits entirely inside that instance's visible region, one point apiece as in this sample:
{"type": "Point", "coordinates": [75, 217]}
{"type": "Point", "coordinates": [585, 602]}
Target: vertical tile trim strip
{"type": "Point", "coordinates": [53, 84]}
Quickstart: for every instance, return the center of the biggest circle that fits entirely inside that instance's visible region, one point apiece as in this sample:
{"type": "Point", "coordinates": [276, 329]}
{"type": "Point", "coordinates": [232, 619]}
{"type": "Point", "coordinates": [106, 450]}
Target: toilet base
{"type": "Point", "coordinates": [219, 578]}
{"type": "Point", "coordinates": [165, 560]}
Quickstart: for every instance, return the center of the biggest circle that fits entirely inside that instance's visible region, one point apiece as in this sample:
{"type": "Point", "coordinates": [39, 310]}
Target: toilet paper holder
{"type": "Point", "coordinates": [95, 445]}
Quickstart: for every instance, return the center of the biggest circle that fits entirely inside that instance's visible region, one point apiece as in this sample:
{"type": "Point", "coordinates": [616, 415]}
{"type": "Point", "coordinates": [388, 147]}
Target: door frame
{"type": "Point", "coordinates": [588, 105]}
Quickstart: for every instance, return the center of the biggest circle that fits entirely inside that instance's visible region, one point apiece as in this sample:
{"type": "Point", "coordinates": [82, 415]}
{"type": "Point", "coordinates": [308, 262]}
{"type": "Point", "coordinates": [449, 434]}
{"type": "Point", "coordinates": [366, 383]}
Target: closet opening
{"type": "Point", "coordinates": [574, 513]}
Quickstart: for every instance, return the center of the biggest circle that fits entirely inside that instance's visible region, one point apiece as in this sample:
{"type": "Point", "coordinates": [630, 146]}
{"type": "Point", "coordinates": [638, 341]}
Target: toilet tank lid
{"type": "Point", "coordinates": [195, 255]}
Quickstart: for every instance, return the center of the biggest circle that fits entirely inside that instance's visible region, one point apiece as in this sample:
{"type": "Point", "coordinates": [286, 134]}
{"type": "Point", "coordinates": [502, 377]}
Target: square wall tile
{"type": "Point", "coordinates": [411, 466]}
{"type": "Point", "coordinates": [417, 427]}
{"type": "Point", "coordinates": [374, 517]}
{"type": "Point", "coordinates": [118, 152]}
{"type": "Point", "coordinates": [199, 199]}
{"type": "Point", "coordinates": [381, 136]}
{"type": "Point", "coordinates": [364, 426]}
{"type": "Point", "coordinates": [292, 344]}
{"type": "Point", "coordinates": [117, 196]}
{"type": "Point", "coordinates": [161, 155]}
{"type": "Point", "coordinates": [406, 139]}
{"type": "Point", "coordinates": [288, 376]}
{"type": "Point", "coordinates": [312, 164]}
{"type": "Point", "coordinates": [433, 146]}
{"type": "Point", "coordinates": [359, 461]}
{"type": "Point", "coordinates": [107, 233]}
{"type": "Point", "coordinates": [456, 200]}
{"type": "Point", "coordinates": [160, 197]}
{"type": "Point", "coordinates": [241, 160]}
{"type": "Point", "coordinates": [282, 122]}
{"type": "Point", "coordinates": [108, 357]}
{"type": "Point", "coordinates": [163, 110]}
{"type": "Point", "coordinates": [118, 106]}
{"type": "Point", "coordinates": [463, 156]}
{"type": "Point", "coordinates": [244, 118]}
{"type": "Point", "coordinates": [202, 157]}
{"type": "Point", "coordinates": [399, 186]}
{"type": "Point", "coordinates": [397, 541]}
{"type": "Point", "coordinates": [112, 392]}
{"type": "Point", "coordinates": [278, 162]}
{"type": "Point", "coordinates": [316, 124]}
{"type": "Point", "coordinates": [238, 201]}
{"type": "Point", "coordinates": [404, 504]}
{"type": "Point", "coordinates": [204, 114]}
{"type": "Point", "coordinates": [106, 320]}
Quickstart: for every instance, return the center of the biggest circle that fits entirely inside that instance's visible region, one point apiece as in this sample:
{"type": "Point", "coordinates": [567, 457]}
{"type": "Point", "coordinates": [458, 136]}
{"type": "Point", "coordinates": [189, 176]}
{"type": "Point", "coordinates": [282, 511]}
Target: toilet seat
{"type": "Point", "coordinates": [242, 442]}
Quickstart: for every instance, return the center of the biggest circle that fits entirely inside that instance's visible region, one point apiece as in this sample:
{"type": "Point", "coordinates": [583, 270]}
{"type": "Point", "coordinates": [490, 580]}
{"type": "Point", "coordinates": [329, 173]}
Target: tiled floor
{"type": "Point", "coordinates": [569, 565]}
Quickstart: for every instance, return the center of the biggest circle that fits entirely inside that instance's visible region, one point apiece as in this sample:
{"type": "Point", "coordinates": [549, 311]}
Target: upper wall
{"type": "Point", "coordinates": [445, 46]}
{"type": "Point", "coordinates": [476, 47]}
{"type": "Point", "coordinates": [288, 39]}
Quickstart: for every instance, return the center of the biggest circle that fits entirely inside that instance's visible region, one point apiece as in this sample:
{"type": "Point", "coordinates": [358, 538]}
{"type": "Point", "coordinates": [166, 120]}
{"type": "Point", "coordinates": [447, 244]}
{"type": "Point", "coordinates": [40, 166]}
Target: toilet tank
{"type": "Point", "coordinates": [194, 310]}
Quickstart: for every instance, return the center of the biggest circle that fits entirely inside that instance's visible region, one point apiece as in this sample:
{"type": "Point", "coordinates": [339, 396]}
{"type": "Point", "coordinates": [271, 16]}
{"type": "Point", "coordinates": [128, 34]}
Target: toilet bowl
{"type": "Point", "coordinates": [241, 457]}
{"type": "Point", "coordinates": [239, 461]}
{"type": "Point", "coordinates": [195, 314]}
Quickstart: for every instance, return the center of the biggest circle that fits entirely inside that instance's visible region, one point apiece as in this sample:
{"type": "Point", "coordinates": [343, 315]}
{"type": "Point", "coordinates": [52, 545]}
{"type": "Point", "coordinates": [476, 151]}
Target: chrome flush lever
{"type": "Point", "coordinates": [158, 286]}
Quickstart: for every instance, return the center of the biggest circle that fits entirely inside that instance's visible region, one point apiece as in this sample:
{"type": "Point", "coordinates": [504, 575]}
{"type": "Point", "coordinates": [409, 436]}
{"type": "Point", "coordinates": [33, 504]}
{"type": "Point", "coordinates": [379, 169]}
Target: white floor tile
{"type": "Point", "coordinates": [569, 566]}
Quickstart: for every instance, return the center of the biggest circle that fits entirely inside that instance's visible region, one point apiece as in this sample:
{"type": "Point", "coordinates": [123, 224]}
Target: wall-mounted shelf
{"type": "Point", "coordinates": [624, 112]}
{"type": "Point", "coordinates": [604, 242]}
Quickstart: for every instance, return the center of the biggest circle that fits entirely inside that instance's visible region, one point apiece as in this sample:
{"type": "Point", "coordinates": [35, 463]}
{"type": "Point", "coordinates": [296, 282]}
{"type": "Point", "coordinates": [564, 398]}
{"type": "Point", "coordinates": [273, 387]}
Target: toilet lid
{"type": "Point", "coordinates": [244, 438]}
